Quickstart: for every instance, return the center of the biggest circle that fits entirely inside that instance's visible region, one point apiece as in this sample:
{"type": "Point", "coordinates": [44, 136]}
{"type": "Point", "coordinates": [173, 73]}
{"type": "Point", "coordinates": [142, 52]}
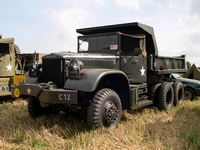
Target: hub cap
{"type": "Point", "coordinates": [188, 95]}
{"type": "Point", "coordinates": [110, 114]}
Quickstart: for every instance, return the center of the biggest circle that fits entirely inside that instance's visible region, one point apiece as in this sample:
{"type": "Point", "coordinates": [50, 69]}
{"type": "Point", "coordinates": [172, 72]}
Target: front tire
{"type": "Point", "coordinates": [105, 110]}
{"type": "Point", "coordinates": [35, 110]}
{"type": "Point", "coordinates": [165, 96]}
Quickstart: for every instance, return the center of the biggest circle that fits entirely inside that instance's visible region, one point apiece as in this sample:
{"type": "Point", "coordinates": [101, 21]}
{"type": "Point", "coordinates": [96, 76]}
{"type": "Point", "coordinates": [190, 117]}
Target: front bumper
{"type": "Point", "coordinates": [43, 94]}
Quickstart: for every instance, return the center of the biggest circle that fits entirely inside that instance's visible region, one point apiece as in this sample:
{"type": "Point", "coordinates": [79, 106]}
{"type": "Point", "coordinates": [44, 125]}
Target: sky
{"type": "Point", "coordinates": [47, 26]}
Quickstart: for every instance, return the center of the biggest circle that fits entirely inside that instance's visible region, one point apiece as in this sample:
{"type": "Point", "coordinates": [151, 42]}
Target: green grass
{"type": "Point", "coordinates": [146, 129]}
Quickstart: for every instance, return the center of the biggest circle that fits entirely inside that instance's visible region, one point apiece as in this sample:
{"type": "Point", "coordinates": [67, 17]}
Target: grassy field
{"type": "Point", "coordinates": [145, 129]}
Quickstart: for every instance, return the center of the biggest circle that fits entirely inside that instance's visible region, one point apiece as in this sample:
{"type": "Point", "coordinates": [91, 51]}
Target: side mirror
{"type": "Point", "coordinates": [137, 51]}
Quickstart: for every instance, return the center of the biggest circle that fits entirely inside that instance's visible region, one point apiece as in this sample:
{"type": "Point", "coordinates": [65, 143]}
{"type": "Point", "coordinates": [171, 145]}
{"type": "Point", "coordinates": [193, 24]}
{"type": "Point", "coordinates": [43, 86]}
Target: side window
{"type": "Point", "coordinates": [128, 44]}
{"type": "Point", "coordinates": [88, 44]}
{"type": "Point", "coordinates": [83, 45]}
{"type": "Point", "coordinates": [4, 49]}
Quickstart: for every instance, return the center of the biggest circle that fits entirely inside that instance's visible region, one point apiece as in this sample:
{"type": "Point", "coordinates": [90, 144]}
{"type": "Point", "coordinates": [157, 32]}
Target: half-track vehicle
{"type": "Point", "coordinates": [14, 64]}
{"type": "Point", "coordinates": [116, 67]}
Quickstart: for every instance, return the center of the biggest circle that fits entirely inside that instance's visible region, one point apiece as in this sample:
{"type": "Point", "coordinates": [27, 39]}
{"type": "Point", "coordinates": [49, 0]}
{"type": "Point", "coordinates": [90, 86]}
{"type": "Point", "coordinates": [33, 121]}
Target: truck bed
{"type": "Point", "coordinates": [166, 65]}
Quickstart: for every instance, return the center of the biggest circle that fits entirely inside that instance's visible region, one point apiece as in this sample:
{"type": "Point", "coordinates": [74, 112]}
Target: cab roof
{"type": "Point", "coordinates": [132, 28]}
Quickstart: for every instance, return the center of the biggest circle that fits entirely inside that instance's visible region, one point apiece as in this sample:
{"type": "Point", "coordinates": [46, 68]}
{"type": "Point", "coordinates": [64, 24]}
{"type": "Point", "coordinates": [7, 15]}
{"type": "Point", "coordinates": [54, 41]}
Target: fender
{"type": "Point", "coordinates": [30, 79]}
{"type": "Point", "coordinates": [90, 80]}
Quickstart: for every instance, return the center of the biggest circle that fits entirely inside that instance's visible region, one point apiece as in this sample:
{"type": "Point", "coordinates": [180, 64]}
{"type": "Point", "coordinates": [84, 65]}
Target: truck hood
{"type": "Point", "coordinates": [95, 60]}
{"type": "Point", "coordinates": [89, 55]}
{"type": "Point", "coordinates": [71, 55]}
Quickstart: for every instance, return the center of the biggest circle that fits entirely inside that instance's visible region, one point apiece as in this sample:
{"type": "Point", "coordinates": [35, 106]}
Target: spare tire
{"type": "Point", "coordinates": [17, 50]}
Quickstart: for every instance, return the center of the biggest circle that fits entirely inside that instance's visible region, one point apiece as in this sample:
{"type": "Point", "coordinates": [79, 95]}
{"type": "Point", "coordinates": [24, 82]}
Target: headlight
{"type": "Point", "coordinates": [75, 67]}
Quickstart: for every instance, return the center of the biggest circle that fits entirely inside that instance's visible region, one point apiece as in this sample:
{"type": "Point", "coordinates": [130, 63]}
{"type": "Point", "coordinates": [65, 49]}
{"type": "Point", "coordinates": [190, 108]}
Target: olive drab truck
{"type": "Point", "coordinates": [13, 65]}
{"type": "Point", "coordinates": [116, 67]}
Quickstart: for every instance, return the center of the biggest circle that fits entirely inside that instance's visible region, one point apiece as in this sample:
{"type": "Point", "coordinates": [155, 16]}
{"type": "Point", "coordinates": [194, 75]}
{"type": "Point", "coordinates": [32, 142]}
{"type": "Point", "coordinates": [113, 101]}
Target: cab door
{"type": "Point", "coordinates": [7, 63]}
{"type": "Point", "coordinates": [135, 67]}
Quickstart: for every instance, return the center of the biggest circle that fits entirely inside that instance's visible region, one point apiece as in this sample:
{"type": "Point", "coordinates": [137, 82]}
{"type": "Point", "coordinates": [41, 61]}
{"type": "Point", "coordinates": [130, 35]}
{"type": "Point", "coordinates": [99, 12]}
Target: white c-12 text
{"type": "Point", "coordinates": [64, 97]}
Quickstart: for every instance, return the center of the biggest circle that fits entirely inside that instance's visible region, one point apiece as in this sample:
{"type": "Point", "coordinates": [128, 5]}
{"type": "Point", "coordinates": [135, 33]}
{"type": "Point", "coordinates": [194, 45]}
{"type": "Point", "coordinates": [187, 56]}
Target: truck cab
{"type": "Point", "coordinates": [129, 49]}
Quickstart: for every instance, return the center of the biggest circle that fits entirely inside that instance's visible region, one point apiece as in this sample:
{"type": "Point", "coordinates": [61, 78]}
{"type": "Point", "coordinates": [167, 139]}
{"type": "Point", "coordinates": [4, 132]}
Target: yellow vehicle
{"type": "Point", "coordinates": [13, 64]}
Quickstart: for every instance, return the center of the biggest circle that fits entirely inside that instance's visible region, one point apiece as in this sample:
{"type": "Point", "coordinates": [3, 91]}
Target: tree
{"type": "Point", "coordinates": [188, 64]}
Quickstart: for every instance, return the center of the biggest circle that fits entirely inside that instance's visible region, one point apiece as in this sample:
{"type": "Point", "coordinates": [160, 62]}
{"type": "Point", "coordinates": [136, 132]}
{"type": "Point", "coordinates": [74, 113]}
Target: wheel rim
{"type": "Point", "coordinates": [188, 95]}
{"type": "Point", "coordinates": [110, 114]}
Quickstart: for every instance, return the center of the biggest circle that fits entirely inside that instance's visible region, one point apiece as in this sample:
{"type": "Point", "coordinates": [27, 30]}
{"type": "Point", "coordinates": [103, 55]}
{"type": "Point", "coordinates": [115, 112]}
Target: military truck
{"type": "Point", "coordinates": [13, 64]}
{"type": "Point", "coordinates": [116, 67]}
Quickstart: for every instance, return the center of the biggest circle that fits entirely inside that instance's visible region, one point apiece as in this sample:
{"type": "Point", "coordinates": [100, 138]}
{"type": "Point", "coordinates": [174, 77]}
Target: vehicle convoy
{"type": "Point", "coordinates": [13, 65]}
{"type": "Point", "coordinates": [116, 67]}
{"type": "Point", "coordinates": [191, 86]}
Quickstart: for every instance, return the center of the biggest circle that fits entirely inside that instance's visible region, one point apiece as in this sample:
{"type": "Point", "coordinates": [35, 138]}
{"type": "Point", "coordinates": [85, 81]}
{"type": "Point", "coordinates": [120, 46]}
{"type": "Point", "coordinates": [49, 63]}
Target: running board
{"type": "Point", "coordinates": [142, 103]}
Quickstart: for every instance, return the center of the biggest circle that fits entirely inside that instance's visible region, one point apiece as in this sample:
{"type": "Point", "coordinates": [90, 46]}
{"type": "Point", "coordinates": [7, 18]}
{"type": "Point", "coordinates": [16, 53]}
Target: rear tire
{"type": "Point", "coordinates": [166, 96]}
{"type": "Point", "coordinates": [189, 94]}
{"type": "Point", "coordinates": [178, 93]}
{"type": "Point", "coordinates": [153, 94]}
{"type": "Point", "coordinates": [105, 110]}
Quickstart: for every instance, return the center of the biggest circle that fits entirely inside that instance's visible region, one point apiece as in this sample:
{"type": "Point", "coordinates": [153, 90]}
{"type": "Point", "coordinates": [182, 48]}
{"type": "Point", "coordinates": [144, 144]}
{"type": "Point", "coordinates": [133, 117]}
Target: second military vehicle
{"type": "Point", "coordinates": [13, 64]}
{"type": "Point", "coordinates": [116, 67]}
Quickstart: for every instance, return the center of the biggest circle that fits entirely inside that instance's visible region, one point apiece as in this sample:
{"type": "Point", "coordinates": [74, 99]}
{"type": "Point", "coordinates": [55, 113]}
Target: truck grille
{"type": "Point", "coordinates": [99, 63]}
{"type": "Point", "coordinates": [52, 70]}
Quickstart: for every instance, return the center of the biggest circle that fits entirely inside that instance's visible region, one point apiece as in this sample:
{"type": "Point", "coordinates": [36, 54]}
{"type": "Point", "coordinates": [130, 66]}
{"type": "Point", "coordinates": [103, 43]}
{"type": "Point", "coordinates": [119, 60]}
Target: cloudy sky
{"type": "Point", "coordinates": [50, 25]}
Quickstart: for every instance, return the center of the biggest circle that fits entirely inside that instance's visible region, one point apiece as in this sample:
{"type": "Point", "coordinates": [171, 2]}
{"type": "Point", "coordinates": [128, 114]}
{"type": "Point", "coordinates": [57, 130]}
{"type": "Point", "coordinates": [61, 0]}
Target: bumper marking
{"type": "Point", "coordinates": [16, 92]}
{"type": "Point", "coordinates": [58, 96]}
{"type": "Point", "coordinates": [28, 91]}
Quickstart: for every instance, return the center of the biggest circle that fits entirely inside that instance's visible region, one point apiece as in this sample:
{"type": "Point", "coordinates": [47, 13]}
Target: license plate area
{"type": "Point", "coordinates": [58, 96]}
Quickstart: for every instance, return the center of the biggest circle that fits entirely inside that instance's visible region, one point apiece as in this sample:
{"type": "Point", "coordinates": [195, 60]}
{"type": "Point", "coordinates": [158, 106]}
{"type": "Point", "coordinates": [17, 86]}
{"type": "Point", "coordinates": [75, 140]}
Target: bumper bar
{"type": "Point", "coordinates": [46, 95]}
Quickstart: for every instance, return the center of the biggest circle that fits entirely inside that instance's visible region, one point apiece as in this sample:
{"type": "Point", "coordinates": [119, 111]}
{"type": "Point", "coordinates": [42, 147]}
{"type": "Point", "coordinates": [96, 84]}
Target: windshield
{"type": "Point", "coordinates": [4, 49]}
{"type": "Point", "coordinates": [98, 43]}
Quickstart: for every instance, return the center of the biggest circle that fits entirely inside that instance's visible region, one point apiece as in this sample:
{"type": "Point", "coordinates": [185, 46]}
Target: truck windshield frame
{"type": "Point", "coordinates": [111, 43]}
